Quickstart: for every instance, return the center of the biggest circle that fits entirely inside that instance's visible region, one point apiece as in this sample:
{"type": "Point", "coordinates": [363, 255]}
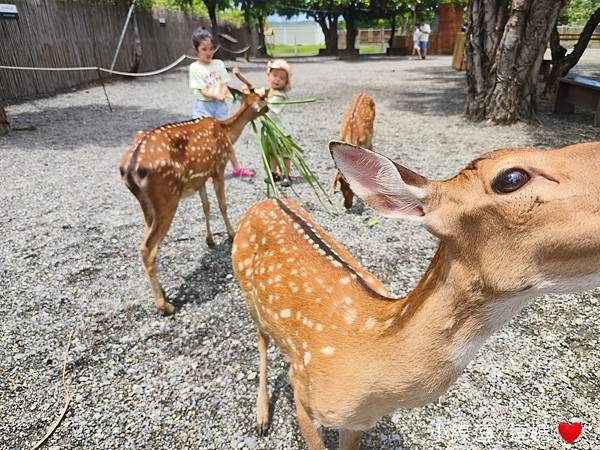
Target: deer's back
{"type": "Point", "coordinates": [357, 124]}
{"type": "Point", "coordinates": [181, 155]}
{"type": "Point", "coordinates": [304, 289]}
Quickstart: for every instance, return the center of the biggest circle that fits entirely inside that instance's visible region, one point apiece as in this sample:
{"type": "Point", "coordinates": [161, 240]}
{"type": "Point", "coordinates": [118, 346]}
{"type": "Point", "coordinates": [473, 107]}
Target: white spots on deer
{"type": "Point", "coordinates": [285, 313]}
{"type": "Point", "coordinates": [350, 316]}
{"type": "Point", "coordinates": [307, 357]}
{"type": "Point", "coordinates": [370, 323]}
{"type": "Point", "coordinates": [345, 280]}
{"type": "Point", "coordinates": [290, 344]}
{"type": "Point", "coordinates": [328, 350]}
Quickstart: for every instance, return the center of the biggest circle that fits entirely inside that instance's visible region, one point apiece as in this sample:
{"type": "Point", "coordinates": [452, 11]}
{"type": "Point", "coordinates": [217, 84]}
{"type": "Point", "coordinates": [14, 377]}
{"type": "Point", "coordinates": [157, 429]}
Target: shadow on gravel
{"type": "Point", "coordinates": [440, 93]}
{"type": "Point", "coordinates": [383, 436]}
{"type": "Point", "coordinates": [283, 388]}
{"type": "Point", "coordinates": [72, 127]}
{"type": "Point", "coordinates": [558, 130]}
{"type": "Point", "coordinates": [209, 278]}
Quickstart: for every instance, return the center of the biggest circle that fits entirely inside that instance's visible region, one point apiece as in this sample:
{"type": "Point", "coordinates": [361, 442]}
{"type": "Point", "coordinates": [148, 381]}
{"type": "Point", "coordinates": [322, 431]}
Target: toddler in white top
{"type": "Point", "coordinates": [279, 83]}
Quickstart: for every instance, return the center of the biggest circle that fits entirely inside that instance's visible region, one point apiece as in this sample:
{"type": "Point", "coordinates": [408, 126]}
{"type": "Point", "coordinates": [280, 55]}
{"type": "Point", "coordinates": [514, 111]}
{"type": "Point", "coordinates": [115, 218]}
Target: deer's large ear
{"type": "Point", "coordinates": [389, 188]}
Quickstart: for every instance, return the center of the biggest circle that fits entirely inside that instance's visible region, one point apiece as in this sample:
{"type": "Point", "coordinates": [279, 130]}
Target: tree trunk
{"type": "Point", "coordinates": [247, 27]}
{"type": "Point", "coordinates": [4, 124]}
{"type": "Point", "coordinates": [351, 32]}
{"type": "Point", "coordinates": [504, 48]}
{"type": "Point", "coordinates": [563, 63]}
{"type": "Point", "coordinates": [393, 27]}
{"type": "Point", "coordinates": [414, 14]}
{"type": "Point", "coordinates": [262, 42]}
{"type": "Point", "coordinates": [211, 6]}
{"type": "Point", "coordinates": [328, 24]}
{"type": "Point", "coordinates": [137, 46]}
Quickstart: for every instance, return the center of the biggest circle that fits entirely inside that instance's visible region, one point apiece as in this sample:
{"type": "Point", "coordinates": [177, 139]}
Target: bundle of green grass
{"type": "Point", "coordinates": [276, 144]}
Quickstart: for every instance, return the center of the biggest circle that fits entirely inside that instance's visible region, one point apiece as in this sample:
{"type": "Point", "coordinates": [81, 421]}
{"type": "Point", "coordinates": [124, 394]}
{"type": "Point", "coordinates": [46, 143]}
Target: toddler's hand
{"type": "Point", "coordinates": [245, 89]}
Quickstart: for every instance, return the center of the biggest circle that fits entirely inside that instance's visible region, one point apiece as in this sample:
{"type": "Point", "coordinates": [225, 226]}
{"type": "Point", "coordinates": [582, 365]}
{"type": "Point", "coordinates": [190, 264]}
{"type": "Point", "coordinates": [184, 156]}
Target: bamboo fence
{"type": "Point", "coordinates": [69, 33]}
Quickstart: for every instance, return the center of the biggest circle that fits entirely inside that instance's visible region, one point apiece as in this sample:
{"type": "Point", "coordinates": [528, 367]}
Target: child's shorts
{"type": "Point", "coordinates": [213, 108]}
{"type": "Point", "coordinates": [423, 45]}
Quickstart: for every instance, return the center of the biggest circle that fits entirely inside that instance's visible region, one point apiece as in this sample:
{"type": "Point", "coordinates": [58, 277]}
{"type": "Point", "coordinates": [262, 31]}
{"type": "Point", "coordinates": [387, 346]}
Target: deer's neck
{"type": "Point", "coordinates": [235, 124]}
{"type": "Point", "coordinates": [440, 326]}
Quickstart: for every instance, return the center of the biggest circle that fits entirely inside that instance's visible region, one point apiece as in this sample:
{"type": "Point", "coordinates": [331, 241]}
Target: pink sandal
{"type": "Point", "coordinates": [242, 172]}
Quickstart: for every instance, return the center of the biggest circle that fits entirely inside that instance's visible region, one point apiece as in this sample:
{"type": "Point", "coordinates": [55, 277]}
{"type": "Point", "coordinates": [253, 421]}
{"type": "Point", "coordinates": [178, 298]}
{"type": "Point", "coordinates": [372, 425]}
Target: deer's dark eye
{"type": "Point", "coordinates": [510, 180]}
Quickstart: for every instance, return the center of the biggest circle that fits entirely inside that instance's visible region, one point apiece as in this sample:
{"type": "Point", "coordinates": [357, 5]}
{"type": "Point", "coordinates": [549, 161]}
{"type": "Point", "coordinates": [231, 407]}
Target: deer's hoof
{"type": "Point", "coordinates": [164, 306]}
{"type": "Point", "coordinates": [168, 309]}
{"type": "Point", "coordinates": [262, 428]}
{"type": "Point", "coordinates": [210, 242]}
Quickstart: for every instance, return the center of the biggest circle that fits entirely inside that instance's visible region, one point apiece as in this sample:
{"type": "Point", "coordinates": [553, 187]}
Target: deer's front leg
{"type": "Point", "coordinates": [206, 207]}
{"type": "Point", "coordinates": [349, 439]}
{"type": "Point", "coordinates": [219, 183]}
{"type": "Point", "coordinates": [311, 432]}
{"type": "Point", "coordinates": [262, 400]}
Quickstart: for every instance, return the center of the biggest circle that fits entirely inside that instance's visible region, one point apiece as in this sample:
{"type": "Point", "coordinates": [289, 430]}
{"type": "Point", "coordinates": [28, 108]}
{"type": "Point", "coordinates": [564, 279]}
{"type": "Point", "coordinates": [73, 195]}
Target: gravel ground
{"type": "Point", "coordinates": [139, 380]}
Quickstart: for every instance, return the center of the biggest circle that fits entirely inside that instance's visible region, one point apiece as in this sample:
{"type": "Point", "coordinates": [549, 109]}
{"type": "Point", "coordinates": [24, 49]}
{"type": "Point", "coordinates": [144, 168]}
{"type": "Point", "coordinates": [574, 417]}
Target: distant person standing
{"type": "Point", "coordinates": [415, 38]}
{"type": "Point", "coordinates": [425, 30]}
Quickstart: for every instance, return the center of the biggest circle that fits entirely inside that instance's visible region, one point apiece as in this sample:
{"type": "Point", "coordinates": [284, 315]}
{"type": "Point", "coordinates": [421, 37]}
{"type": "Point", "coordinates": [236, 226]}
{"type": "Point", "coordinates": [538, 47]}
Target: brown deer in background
{"type": "Point", "coordinates": [175, 160]}
{"type": "Point", "coordinates": [357, 129]}
{"type": "Point", "coordinates": [513, 225]}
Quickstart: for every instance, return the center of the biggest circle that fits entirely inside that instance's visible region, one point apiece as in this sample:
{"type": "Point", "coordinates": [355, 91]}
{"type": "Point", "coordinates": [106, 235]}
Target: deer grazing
{"type": "Point", "coordinates": [175, 160]}
{"type": "Point", "coordinates": [514, 224]}
{"type": "Point", "coordinates": [357, 129]}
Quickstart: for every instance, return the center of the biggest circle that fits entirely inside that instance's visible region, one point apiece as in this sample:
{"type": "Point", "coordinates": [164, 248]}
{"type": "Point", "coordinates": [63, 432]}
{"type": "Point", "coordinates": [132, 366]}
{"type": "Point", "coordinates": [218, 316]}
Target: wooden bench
{"type": "Point", "coordinates": [578, 91]}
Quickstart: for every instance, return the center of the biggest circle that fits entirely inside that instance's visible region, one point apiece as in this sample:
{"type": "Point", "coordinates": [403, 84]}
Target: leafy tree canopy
{"type": "Point", "coordinates": [577, 12]}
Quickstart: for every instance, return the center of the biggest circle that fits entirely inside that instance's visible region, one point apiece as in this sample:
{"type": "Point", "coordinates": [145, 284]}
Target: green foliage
{"type": "Point", "coordinates": [281, 50]}
{"type": "Point", "coordinates": [577, 12]}
{"type": "Point", "coordinates": [460, 2]}
{"type": "Point", "coordinates": [196, 7]}
{"type": "Point", "coordinates": [233, 16]}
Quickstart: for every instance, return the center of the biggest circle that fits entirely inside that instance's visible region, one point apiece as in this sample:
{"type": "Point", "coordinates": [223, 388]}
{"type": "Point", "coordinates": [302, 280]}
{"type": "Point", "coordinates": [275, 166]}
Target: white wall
{"type": "Point", "coordinates": [296, 33]}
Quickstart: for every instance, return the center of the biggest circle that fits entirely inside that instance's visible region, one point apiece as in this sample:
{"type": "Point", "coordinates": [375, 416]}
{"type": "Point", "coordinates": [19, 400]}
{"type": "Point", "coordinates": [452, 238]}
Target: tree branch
{"type": "Point", "coordinates": [584, 39]}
